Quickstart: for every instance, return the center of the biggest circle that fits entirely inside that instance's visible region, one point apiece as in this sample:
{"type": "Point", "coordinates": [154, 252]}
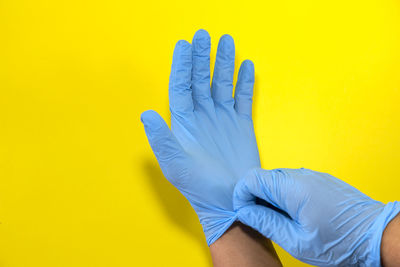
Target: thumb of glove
{"type": "Point", "coordinates": [269, 221]}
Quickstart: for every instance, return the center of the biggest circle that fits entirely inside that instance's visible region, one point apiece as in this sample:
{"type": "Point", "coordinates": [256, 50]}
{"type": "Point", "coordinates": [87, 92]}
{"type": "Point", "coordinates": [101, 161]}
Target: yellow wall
{"type": "Point", "coordinates": [79, 185]}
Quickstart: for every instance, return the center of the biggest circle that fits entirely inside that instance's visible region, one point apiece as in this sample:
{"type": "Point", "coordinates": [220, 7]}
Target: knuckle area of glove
{"type": "Point", "coordinates": [245, 117]}
{"type": "Point", "coordinates": [223, 103]}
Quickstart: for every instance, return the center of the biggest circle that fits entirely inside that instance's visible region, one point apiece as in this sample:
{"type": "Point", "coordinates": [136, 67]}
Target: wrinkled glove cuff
{"type": "Point", "coordinates": [218, 228]}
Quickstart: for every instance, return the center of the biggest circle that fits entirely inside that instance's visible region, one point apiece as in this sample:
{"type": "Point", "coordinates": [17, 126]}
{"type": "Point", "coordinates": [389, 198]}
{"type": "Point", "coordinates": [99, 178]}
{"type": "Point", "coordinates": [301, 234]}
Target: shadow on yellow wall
{"type": "Point", "coordinates": [175, 205]}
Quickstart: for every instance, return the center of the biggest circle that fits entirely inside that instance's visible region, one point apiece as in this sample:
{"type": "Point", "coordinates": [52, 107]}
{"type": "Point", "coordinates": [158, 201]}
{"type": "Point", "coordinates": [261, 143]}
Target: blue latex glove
{"type": "Point", "coordinates": [321, 220]}
{"type": "Point", "coordinates": [212, 143]}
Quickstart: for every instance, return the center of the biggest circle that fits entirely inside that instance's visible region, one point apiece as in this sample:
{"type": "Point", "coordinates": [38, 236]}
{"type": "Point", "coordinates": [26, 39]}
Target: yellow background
{"type": "Point", "coordinates": [79, 185]}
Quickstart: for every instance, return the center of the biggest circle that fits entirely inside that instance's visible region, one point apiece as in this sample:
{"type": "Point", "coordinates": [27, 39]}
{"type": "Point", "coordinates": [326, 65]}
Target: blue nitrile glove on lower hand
{"type": "Point", "coordinates": [212, 143]}
{"type": "Point", "coordinates": [314, 216]}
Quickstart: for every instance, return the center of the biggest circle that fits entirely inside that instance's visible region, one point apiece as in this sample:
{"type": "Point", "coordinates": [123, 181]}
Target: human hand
{"type": "Point", "coordinates": [212, 143]}
{"type": "Point", "coordinates": [321, 220]}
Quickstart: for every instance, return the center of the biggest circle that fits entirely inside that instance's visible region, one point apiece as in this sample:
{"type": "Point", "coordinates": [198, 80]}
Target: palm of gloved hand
{"type": "Point", "coordinates": [212, 143]}
{"type": "Point", "coordinates": [327, 222]}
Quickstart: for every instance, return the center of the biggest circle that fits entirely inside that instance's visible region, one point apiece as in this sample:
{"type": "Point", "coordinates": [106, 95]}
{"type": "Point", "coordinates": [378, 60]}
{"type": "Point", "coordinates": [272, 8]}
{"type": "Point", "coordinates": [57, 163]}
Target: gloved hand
{"type": "Point", "coordinates": [314, 216]}
{"type": "Point", "coordinates": [212, 143]}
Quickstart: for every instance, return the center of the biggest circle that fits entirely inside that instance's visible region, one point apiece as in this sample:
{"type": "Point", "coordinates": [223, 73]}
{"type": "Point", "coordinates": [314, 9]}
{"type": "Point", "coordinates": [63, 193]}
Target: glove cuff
{"type": "Point", "coordinates": [218, 227]}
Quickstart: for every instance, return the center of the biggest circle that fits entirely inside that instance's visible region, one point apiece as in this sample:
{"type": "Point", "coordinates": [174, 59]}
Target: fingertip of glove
{"type": "Point", "coordinates": [226, 38]}
{"type": "Point", "coordinates": [150, 119]}
{"type": "Point", "coordinates": [246, 70]}
{"type": "Point", "coordinates": [146, 116]}
{"type": "Point", "coordinates": [248, 63]}
{"type": "Point", "coordinates": [201, 34]}
{"type": "Point", "coordinates": [226, 47]}
{"type": "Point", "coordinates": [183, 45]}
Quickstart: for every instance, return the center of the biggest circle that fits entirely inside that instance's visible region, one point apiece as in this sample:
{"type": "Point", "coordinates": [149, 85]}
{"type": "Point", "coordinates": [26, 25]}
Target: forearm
{"type": "Point", "coordinates": [242, 246]}
{"type": "Point", "coordinates": [390, 245]}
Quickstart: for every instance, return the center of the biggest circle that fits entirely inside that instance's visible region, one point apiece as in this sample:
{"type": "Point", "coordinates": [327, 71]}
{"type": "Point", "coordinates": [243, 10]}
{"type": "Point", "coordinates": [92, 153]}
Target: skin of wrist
{"type": "Point", "coordinates": [240, 245]}
{"type": "Point", "coordinates": [390, 245]}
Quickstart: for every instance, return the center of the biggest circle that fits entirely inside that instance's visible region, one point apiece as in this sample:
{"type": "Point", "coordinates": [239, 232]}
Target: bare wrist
{"type": "Point", "coordinates": [390, 245]}
{"type": "Point", "coordinates": [242, 246]}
